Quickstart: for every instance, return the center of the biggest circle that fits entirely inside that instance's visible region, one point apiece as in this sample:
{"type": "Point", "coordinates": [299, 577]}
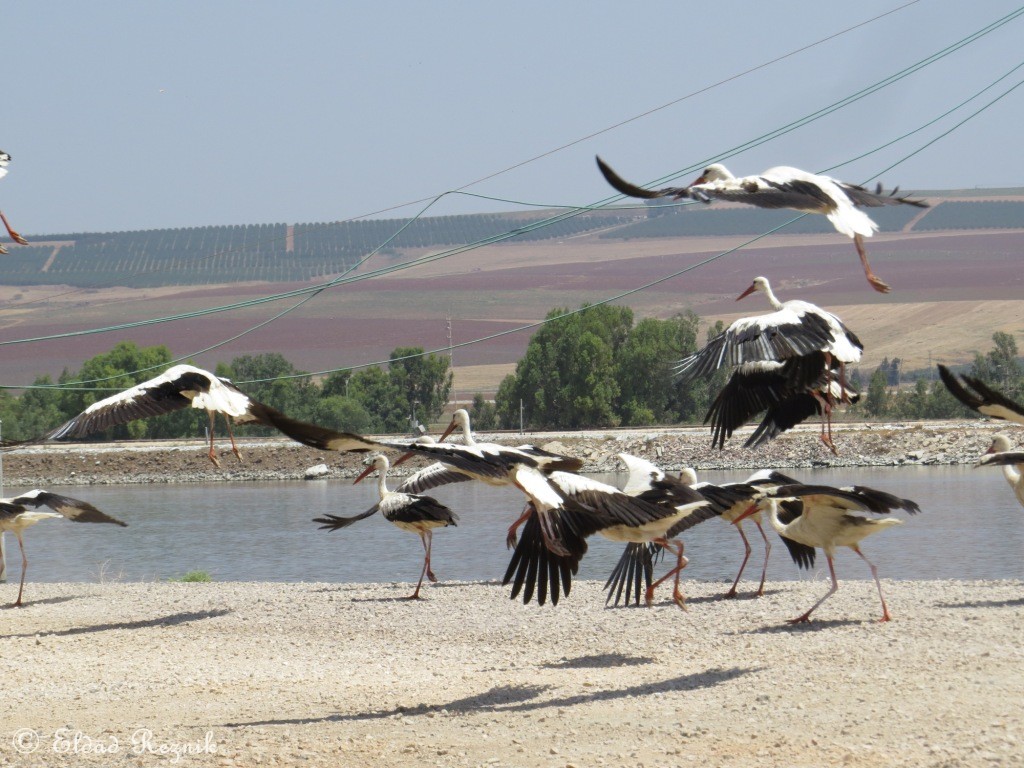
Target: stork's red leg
{"type": "Point", "coordinates": [874, 572]}
{"type": "Point", "coordinates": [212, 454]}
{"type": "Point", "coordinates": [234, 448]}
{"type": "Point", "coordinates": [767, 552]}
{"type": "Point", "coordinates": [14, 235]}
{"type": "Point", "coordinates": [510, 540]}
{"type": "Point", "coordinates": [426, 567]}
{"type": "Point", "coordinates": [876, 282]}
{"type": "Point", "coordinates": [746, 546]}
{"type": "Point", "coordinates": [835, 586]}
{"type": "Point", "coordinates": [24, 568]}
{"type": "Point", "coordinates": [428, 540]}
{"type": "Point", "coordinates": [676, 547]}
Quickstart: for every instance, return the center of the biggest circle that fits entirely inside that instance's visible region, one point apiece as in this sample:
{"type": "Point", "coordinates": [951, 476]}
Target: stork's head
{"type": "Point", "coordinates": [688, 475]}
{"type": "Point", "coordinates": [759, 284]}
{"type": "Point", "coordinates": [4, 159]}
{"type": "Point", "coordinates": [1000, 444]}
{"type": "Point", "coordinates": [378, 461]}
{"type": "Point", "coordinates": [460, 420]}
{"type": "Point", "coordinates": [715, 172]}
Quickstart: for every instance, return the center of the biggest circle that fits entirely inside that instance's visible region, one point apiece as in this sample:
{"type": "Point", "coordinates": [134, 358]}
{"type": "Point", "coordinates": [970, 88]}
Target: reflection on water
{"type": "Point", "coordinates": [970, 527]}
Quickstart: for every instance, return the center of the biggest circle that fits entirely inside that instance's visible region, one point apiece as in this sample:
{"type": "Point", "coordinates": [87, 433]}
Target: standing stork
{"type": "Point", "coordinates": [19, 513]}
{"type": "Point", "coordinates": [785, 187]}
{"type": "Point", "coordinates": [490, 463]}
{"type": "Point", "coordinates": [5, 160]}
{"type": "Point", "coordinates": [808, 341]}
{"type": "Point", "coordinates": [824, 521]}
{"type": "Point", "coordinates": [406, 511]}
{"type": "Point", "coordinates": [185, 385]}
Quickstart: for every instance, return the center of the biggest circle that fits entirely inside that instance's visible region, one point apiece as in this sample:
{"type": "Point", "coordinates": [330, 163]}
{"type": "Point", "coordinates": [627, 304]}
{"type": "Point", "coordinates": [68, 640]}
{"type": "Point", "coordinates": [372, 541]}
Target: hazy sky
{"type": "Point", "coordinates": [149, 115]}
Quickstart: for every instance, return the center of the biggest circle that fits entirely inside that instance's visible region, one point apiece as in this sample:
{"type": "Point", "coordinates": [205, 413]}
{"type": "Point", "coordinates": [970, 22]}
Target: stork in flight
{"type": "Point", "coordinates": [19, 513]}
{"type": "Point", "coordinates": [407, 511]}
{"type": "Point", "coordinates": [804, 342]}
{"type": "Point", "coordinates": [5, 160]}
{"type": "Point", "coordinates": [574, 507]}
{"type": "Point", "coordinates": [185, 385]}
{"type": "Point", "coordinates": [979, 396]}
{"type": "Point", "coordinates": [784, 187]}
{"type": "Point", "coordinates": [824, 520]}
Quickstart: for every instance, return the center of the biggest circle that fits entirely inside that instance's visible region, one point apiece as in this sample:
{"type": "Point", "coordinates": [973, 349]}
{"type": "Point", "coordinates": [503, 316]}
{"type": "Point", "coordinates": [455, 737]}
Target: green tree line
{"type": "Point", "coordinates": [928, 397]}
{"type": "Point", "coordinates": [412, 387]}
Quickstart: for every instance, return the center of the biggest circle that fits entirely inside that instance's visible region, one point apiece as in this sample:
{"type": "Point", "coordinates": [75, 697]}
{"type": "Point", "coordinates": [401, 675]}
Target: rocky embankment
{"type": "Point", "coordinates": [885, 444]}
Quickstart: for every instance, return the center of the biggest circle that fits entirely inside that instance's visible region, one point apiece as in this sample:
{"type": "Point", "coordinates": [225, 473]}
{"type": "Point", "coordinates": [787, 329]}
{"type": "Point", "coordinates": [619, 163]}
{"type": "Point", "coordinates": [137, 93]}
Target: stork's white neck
{"type": "Point", "coordinates": [773, 515]}
{"type": "Point", "coordinates": [772, 298]}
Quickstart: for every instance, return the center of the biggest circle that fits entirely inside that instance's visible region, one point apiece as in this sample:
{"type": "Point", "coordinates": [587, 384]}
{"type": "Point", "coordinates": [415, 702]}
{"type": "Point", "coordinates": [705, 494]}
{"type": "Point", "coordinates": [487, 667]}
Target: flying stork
{"type": "Point", "coordinates": [983, 399]}
{"type": "Point", "coordinates": [785, 362]}
{"type": "Point", "coordinates": [19, 512]}
{"type": "Point", "coordinates": [785, 187]}
{"type": "Point", "coordinates": [185, 385]}
{"type": "Point", "coordinates": [574, 507]}
{"type": "Point", "coordinates": [5, 160]}
{"type": "Point", "coordinates": [407, 511]}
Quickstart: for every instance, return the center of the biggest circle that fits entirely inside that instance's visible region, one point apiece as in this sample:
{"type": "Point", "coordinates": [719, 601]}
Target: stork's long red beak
{"type": "Point", "coordinates": [403, 458]}
{"type": "Point", "coordinates": [750, 510]}
{"type": "Point", "coordinates": [367, 471]}
{"type": "Point", "coordinates": [747, 292]}
{"type": "Point", "coordinates": [700, 180]}
{"type": "Point", "coordinates": [448, 431]}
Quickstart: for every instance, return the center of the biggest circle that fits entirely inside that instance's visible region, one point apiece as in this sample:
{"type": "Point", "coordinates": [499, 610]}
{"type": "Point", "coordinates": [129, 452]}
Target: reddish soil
{"type": "Point", "coordinates": [496, 289]}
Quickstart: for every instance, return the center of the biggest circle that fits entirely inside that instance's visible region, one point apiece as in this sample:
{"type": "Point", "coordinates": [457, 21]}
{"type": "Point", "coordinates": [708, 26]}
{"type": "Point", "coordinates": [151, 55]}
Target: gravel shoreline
{"type": "Point", "coordinates": [232, 674]}
{"type": "Point", "coordinates": [886, 444]}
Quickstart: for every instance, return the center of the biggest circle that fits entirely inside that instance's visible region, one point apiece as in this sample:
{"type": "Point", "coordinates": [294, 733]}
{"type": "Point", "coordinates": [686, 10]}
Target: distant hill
{"type": "Point", "coordinates": [302, 252]}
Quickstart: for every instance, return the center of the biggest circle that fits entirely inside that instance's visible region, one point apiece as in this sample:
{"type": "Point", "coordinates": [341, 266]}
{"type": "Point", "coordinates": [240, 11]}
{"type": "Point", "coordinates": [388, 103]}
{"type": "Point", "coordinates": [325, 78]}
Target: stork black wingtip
{"type": "Point", "coordinates": [622, 186]}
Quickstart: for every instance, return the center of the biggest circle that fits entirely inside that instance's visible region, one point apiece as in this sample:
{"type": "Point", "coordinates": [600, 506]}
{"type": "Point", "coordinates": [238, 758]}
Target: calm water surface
{"type": "Point", "coordinates": [970, 527]}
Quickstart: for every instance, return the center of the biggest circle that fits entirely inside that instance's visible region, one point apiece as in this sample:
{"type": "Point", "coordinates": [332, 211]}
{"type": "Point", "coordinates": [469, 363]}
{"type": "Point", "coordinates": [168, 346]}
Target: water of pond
{"type": "Point", "coordinates": [970, 527]}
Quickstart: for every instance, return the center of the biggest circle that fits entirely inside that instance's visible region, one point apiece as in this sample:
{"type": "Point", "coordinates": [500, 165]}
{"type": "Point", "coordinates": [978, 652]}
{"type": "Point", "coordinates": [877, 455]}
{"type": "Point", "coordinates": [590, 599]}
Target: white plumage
{"type": "Point", "coordinates": [182, 386]}
{"type": "Point", "coordinates": [784, 187]}
{"type": "Point", "coordinates": [1001, 454]}
{"type": "Point", "coordinates": [785, 360]}
{"type": "Point", "coordinates": [5, 160]}
{"type": "Point", "coordinates": [406, 511]}
{"type": "Point", "coordinates": [19, 512]}
{"type": "Point", "coordinates": [819, 516]}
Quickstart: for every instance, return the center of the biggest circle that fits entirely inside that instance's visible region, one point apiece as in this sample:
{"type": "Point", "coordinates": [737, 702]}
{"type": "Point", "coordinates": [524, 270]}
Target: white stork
{"type": "Point", "coordinates": [185, 385]}
{"type": "Point", "coordinates": [983, 399]}
{"type": "Point", "coordinates": [490, 463]}
{"type": "Point", "coordinates": [806, 340]}
{"type": "Point", "coordinates": [1001, 454]}
{"type": "Point", "coordinates": [407, 511]}
{"type": "Point", "coordinates": [5, 160]}
{"type": "Point", "coordinates": [787, 392]}
{"type": "Point", "coordinates": [785, 187]}
{"type": "Point", "coordinates": [647, 481]}
{"type": "Point", "coordinates": [19, 512]}
{"type": "Point", "coordinates": [567, 507]}
{"type": "Point", "coordinates": [823, 519]}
